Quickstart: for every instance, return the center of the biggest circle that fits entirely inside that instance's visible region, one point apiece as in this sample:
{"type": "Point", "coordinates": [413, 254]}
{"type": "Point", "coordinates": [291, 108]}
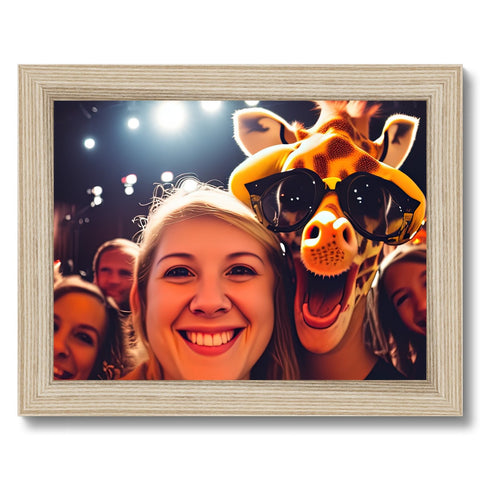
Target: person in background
{"type": "Point", "coordinates": [113, 266]}
{"type": "Point", "coordinates": [89, 341]}
{"type": "Point", "coordinates": [398, 310]}
{"type": "Point", "coordinates": [208, 298]}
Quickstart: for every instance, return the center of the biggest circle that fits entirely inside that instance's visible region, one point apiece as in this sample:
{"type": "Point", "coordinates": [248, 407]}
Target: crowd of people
{"type": "Point", "coordinates": [205, 293]}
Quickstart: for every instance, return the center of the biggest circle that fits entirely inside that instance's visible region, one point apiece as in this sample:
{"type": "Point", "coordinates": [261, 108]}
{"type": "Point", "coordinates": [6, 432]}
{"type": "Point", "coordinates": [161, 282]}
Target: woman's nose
{"type": "Point", "coordinates": [421, 301]}
{"type": "Point", "coordinates": [210, 299]}
{"type": "Point", "coordinates": [113, 278]}
{"type": "Point", "coordinates": [60, 346]}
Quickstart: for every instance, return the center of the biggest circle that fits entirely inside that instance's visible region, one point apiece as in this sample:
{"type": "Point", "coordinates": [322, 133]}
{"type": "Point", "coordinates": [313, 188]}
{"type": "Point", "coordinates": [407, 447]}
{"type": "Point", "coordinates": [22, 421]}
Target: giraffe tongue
{"type": "Point", "coordinates": [324, 294]}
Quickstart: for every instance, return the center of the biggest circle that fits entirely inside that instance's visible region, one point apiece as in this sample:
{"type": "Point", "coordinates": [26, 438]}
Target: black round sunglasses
{"type": "Point", "coordinates": [377, 208]}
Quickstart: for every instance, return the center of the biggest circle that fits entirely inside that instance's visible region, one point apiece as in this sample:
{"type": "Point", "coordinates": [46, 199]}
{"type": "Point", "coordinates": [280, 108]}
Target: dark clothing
{"type": "Point", "coordinates": [384, 371]}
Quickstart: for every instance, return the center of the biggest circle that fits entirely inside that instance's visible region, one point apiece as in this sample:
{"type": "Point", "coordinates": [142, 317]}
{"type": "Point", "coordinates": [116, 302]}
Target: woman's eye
{"type": "Point", "coordinates": [400, 300]}
{"type": "Point", "coordinates": [85, 338]}
{"type": "Point", "coordinates": [178, 272]}
{"type": "Point", "coordinates": [241, 270]}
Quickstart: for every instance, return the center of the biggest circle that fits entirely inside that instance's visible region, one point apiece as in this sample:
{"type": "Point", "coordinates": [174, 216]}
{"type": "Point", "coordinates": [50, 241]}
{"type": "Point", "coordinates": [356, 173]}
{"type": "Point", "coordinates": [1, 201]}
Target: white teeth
{"type": "Point", "coordinates": [210, 340]}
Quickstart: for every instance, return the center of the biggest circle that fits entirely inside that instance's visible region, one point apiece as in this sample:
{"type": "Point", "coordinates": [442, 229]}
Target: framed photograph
{"type": "Point", "coordinates": [78, 135]}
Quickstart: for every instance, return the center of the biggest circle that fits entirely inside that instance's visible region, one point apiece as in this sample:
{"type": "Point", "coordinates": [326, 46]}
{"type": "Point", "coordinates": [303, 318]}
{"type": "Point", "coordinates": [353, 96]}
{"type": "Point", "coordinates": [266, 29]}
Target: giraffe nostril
{"type": "Point", "coordinates": [314, 232]}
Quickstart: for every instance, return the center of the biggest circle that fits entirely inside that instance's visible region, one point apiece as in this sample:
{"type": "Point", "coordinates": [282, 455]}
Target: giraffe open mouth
{"type": "Point", "coordinates": [322, 299]}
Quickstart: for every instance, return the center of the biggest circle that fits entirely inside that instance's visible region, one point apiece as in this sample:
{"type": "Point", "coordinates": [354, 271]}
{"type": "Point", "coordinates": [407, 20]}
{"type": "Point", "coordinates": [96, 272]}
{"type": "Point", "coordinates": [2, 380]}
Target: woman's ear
{"type": "Point", "coordinates": [134, 298]}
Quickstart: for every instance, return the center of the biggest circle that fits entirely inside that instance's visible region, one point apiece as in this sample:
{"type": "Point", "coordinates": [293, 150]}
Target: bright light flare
{"type": "Point", "coordinates": [133, 123]}
{"type": "Point", "coordinates": [189, 185]}
{"type": "Point", "coordinates": [171, 115]}
{"type": "Point", "coordinates": [129, 190]}
{"type": "Point", "coordinates": [131, 179]}
{"type": "Point", "coordinates": [89, 143]}
{"type": "Point", "coordinates": [252, 103]}
{"type": "Point", "coordinates": [97, 190]}
{"type": "Point", "coordinates": [211, 106]}
{"type": "Point", "coordinates": [166, 177]}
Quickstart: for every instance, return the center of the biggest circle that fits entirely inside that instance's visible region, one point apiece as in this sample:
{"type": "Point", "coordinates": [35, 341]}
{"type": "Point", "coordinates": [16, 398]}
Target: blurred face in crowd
{"type": "Point", "coordinates": [406, 287]}
{"type": "Point", "coordinates": [210, 307]}
{"type": "Point", "coordinates": [80, 324]}
{"type": "Point", "coordinates": [114, 275]}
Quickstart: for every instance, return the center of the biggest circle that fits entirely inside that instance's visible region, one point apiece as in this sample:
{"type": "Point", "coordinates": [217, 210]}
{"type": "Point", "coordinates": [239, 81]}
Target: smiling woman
{"type": "Point", "coordinates": [88, 334]}
{"type": "Point", "coordinates": [398, 304]}
{"type": "Point", "coordinates": [208, 298]}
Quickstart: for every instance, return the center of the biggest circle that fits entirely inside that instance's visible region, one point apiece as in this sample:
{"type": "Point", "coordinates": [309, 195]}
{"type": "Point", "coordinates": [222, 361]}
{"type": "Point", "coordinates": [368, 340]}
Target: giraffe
{"type": "Point", "coordinates": [334, 197]}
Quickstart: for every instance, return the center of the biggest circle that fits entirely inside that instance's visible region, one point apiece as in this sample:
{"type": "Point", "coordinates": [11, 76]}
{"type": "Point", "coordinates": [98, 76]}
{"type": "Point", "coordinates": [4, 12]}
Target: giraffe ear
{"type": "Point", "coordinates": [397, 139]}
{"type": "Point", "coordinates": [257, 128]}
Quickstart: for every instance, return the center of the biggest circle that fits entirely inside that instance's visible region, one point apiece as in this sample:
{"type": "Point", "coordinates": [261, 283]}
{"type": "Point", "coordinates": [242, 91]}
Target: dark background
{"type": "Point", "coordinates": [204, 146]}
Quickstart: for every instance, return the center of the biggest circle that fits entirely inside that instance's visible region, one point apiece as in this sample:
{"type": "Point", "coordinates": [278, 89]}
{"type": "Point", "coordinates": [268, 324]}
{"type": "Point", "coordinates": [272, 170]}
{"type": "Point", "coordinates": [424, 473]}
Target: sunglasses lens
{"type": "Point", "coordinates": [375, 206]}
{"type": "Point", "coordinates": [288, 202]}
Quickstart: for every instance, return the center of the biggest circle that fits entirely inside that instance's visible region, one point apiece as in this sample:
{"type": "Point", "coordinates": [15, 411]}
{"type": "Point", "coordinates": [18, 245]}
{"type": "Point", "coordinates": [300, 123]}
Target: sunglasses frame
{"type": "Point", "coordinates": [258, 188]}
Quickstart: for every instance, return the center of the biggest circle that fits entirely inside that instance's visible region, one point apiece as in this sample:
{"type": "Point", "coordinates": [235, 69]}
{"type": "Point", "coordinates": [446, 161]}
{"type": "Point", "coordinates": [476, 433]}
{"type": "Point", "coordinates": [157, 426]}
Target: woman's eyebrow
{"type": "Point", "coordinates": [242, 254]}
{"type": "Point", "coordinates": [397, 292]}
{"type": "Point", "coordinates": [85, 326]}
{"type": "Point", "coordinates": [185, 255]}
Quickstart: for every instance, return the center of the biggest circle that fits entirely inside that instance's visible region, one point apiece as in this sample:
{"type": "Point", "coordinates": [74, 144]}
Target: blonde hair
{"type": "Point", "coordinates": [279, 360]}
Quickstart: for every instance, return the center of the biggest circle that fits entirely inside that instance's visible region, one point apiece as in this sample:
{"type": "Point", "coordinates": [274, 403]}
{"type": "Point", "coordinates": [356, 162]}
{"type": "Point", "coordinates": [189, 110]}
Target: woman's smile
{"type": "Point", "coordinates": [211, 343]}
{"type": "Point", "coordinates": [210, 294]}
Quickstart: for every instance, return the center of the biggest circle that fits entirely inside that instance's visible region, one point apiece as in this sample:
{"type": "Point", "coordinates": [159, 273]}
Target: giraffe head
{"type": "Point", "coordinates": [334, 196]}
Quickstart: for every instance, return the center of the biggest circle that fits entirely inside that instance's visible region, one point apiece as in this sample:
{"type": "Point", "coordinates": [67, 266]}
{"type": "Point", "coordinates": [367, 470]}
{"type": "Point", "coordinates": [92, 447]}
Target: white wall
{"type": "Point", "coordinates": [245, 31]}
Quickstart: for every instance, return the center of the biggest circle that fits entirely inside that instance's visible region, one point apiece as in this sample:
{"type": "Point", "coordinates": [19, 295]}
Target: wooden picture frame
{"type": "Point", "coordinates": [439, 85]}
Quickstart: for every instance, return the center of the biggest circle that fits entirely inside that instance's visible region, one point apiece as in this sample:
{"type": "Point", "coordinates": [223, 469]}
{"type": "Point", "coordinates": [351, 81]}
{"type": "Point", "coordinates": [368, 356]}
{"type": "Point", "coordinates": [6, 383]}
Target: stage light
{"type": "Point", "coordinates": [89, 143]}
{"type": "Point", "coordinates": [211, 106]}
{"type": "Point", "coordinates": [131, 179]}
{"type": "Point", "coordinates": [97, 190]}
{"type": "Point", "coordinates": [171, 115]}
{"type": "Point", "coordinates": [166, 177]}
{"type": "Point", "coordinates": [133, 123]}
{"type": "Point", "coordinates": [252, 103]}
{"type": "Point", "coordinates": [189, 185]}
{"type": "Point", "coordinates": [128, 190]}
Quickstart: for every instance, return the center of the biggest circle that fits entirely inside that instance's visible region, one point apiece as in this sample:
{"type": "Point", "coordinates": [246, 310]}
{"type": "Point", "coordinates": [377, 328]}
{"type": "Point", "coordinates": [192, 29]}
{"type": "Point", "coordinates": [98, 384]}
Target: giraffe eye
{"type": "Point", "coordinates": [289, 201]}
{"type": "Point", "coordinates": [373, 207]}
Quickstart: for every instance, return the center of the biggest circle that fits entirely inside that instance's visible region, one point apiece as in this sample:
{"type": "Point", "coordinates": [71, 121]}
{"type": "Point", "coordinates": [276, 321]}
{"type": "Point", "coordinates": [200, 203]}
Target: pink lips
{"type": "Point", "coordinates": [210, 344]}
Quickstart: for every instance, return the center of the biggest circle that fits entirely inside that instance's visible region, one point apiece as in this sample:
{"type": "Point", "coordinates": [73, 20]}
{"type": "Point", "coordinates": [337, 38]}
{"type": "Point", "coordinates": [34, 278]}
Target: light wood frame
{"type": "Point", "coordinates": [439, 85]}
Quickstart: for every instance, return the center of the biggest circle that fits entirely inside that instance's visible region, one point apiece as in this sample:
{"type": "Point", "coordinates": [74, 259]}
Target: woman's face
{"type": "Point", "coordinates": [80, 324]}
{"type": "Point", "coordinates": [406, 287]}
{"type": "Point", "coordinates": [210, 307]}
